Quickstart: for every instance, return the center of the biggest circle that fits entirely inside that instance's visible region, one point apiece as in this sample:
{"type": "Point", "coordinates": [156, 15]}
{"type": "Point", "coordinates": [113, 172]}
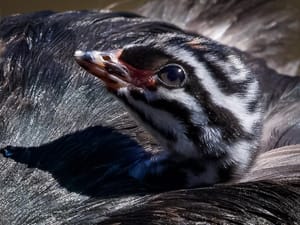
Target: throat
{"type": "Point", "coordinates": [184, 163]}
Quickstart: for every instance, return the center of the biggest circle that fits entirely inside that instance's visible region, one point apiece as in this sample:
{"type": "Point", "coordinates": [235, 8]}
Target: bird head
{"type": "Point", "coordinates": [195, 96]}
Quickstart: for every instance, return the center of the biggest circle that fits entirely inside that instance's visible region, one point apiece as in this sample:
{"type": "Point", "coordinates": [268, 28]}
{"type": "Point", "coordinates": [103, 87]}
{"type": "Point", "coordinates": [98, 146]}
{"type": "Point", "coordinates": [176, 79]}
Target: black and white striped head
{"type": "Point", "coordinates": [196, 97]}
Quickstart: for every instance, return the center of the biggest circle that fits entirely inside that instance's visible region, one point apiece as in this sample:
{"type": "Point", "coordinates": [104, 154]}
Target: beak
{"type": "Point", "coordinates": [106, 66]}
{"type": "Point", "coordinates": [112, 71]}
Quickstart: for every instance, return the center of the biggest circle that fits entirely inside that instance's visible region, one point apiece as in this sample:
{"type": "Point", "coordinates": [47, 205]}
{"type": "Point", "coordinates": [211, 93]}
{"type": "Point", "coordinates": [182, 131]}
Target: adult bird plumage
{"type": "Point", "coordinates": [87, 144]}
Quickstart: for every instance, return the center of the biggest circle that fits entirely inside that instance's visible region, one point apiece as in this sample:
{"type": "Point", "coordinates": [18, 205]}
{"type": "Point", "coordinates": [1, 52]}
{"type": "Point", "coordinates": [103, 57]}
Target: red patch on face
{"type": "Point", "coordinates": [140, 78]}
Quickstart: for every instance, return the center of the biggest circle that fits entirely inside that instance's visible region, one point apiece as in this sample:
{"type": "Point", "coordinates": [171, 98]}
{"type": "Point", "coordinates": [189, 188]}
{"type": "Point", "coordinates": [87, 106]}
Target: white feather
{"type": "Point", "coordinates": [166, 122]}
{"type": "Point", "coordinates": [234, 103]}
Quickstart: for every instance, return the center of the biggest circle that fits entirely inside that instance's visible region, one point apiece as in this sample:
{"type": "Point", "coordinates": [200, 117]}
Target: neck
{"type": "Point", "coordinates": [218, 162]}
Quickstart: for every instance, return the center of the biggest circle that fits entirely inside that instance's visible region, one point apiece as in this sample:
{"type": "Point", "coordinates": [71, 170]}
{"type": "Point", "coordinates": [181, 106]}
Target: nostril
{"type": "Point", "coordinates": [106, 58]}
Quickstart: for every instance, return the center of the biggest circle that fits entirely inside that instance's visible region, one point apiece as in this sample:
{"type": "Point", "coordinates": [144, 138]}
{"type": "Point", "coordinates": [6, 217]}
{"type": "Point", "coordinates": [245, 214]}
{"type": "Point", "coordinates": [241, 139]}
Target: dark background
{"type": "Point", "coordinates": [20, 6]}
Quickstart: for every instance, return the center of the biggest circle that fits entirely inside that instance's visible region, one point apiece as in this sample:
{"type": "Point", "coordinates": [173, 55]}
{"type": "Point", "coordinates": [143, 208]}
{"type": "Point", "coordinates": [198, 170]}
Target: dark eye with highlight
{"type": "Point", "coordinates": [172, 75]}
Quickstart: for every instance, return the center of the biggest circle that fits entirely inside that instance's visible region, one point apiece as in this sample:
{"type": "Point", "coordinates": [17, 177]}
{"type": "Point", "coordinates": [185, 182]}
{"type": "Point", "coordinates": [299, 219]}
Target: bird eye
{"type": "Point", "coordinates": [172, 75]}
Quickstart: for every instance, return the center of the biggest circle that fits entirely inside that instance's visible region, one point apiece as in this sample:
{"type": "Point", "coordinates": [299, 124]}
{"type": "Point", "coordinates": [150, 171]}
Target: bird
{"type": "Point", "coordinates": [196, 97]}
{"type": "Point", "coordinates": [75, 155]}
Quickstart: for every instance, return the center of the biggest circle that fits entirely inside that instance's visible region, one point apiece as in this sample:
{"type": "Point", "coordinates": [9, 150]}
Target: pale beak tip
{"type": "Point", "coordinates": [84, 56]}
{"type": "Point", "coordinates": [78, 54]}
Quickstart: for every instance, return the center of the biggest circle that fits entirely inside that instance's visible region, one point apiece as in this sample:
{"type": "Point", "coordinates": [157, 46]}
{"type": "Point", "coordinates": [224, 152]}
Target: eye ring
{"type": "Point", "coordinates": [172, 75]}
